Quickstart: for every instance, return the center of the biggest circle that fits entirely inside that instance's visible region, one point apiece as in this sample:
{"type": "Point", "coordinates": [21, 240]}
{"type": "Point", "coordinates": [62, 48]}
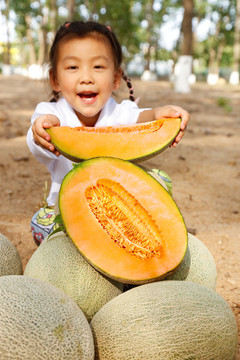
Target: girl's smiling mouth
{"type": "Point", "coordinates": [88, 97]}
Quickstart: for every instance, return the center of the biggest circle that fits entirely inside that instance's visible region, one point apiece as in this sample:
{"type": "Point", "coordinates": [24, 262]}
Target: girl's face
{"type": "Point", "coordinates": [86, 76]}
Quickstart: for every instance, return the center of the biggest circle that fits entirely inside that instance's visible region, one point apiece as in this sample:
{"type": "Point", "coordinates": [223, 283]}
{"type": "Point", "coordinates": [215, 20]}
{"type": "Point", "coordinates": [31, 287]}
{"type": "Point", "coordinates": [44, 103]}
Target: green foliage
{"type": "Point", "coordinates": [222, 15]}
{"type": "Point", "coordinates": [137, 24]}
{"type": "Point", "coordinates": [118, 14]}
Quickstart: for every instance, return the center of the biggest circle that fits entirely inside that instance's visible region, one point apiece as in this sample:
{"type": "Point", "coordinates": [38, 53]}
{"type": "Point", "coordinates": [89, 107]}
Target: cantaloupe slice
{"type": "Point", "coordinates": [122, 220]}
{"type": "Point", "coordinates": [133, 142]}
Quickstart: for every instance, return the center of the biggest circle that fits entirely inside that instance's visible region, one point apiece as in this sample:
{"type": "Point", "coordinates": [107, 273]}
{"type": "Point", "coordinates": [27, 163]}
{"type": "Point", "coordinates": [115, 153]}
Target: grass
{"type": "Point", "coordinates": [224, 103]}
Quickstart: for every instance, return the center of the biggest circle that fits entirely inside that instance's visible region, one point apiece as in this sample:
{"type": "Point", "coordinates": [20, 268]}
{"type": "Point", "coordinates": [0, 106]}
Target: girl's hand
{"type": "Point", "coordinates": [174, 112]}
{"type": "Point", "coordinates": [40, 136]}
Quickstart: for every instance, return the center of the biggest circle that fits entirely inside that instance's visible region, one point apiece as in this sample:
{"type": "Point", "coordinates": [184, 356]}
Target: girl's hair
{"type": "Point", "coordinates": [81, 29]}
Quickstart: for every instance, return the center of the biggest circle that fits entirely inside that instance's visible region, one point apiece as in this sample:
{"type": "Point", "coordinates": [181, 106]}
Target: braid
{"type": "Point", "coordinates": [56, 95]}
{"type": "Point", "coordinates": [129, 85]}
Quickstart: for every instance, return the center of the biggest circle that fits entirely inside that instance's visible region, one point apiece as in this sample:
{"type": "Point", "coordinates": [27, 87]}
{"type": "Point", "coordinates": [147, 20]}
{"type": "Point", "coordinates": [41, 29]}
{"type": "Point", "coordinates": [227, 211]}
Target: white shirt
{"type": "Point", "coordinates": [125, 113]}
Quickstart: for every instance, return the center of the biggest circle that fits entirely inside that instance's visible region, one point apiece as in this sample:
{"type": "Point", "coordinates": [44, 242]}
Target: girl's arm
{"type": "Point", "coordinates": [168, 111]}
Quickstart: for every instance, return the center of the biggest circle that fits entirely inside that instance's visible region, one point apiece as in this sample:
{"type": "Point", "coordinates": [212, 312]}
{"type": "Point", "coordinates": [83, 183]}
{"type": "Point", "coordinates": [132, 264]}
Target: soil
{"type": "Point", "coordinates": [204, 167]}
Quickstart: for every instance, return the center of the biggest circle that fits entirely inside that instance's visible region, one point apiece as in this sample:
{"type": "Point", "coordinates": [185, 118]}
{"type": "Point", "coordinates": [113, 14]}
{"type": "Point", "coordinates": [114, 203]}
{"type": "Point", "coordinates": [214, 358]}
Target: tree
{"type": "Point", "coordinates": [35, 19]}
{"type": "Point", "coordinates": [119, 15]}
{"type": "Point", "coordinates": [53, 17]}
{"type": "Point", "coordinates": [149, 11]}
{"type": "Point", "coordinates": [184, 67]}
{"type": "Point", "coordinates": [138, 26]}
{"type": "Point", "coordinates": [186, 48]}
{"type": "Point", "coordinates": [150, 16]}
{"type": "Point", "coordinates": [234, 78]}
{"type": "Point", "coordinates": [24, 15]}
{"type": "Point", "coordinates": [215, 51]}
{"type": "Point", "coordinates": [71, 9]}
{"type": "Point", "coordinates": [223, 16]}
{"type": "Point", "coordinates": [6, 12]}
{"type": "Point", "coordinates": [154, 17]}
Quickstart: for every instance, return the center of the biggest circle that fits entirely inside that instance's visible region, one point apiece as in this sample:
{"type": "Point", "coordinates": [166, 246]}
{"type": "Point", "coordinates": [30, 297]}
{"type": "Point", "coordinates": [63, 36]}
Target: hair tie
{"type": "Point", "coordinates": [67, 25]}
{"type": "Point", "coordinates": [109, 28]}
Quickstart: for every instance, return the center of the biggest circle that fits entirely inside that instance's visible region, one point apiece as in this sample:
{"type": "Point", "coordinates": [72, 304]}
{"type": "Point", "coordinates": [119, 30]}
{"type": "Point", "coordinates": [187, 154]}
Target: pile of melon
{"type": "Point", "coordinates": [121, 278]}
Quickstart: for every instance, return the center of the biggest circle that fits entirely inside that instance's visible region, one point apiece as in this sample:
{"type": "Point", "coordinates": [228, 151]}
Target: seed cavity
{"type": "Point", "coordinates": [145, 128]}
{"type": "Point", "coordinates": [124, 219]}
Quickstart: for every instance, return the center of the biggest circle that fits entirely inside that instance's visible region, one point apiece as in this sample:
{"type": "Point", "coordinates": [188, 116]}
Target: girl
{"type": "Point", "coordinates": [85, 69]}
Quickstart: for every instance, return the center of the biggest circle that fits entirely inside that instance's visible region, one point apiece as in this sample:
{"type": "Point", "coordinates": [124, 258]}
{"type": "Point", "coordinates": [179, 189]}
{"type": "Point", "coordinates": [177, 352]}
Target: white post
{"type": "Point", "coordinates": [149, 76]}
{"type": "Point", "coordinates": [234, 78]}
{"type": "Point", "coordinates": [6, 70]}
{"type": "Point", "coordinates": [212, 78]}
{"type": "Point", "coordinates": [183, 70]}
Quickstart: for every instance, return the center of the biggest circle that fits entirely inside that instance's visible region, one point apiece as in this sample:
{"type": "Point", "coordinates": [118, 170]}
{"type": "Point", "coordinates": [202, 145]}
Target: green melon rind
{"type": "Point", "coordinates": [134, 160]}
{"type": "Point", "coordinates": [58, 262]}
{"type": "Point", "coordinates": [78, 167]}
{"type": "Point", "coordinates": [40, 322]}
{"type": "Point", "coordinates": [166, 320]}
{"type": "Point", "coordinates": [198, 265]}
{"type": "Point", "coordinates": [10, 260]}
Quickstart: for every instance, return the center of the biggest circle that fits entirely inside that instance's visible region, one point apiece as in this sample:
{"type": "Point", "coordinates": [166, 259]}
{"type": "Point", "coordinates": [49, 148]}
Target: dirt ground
{"type": "Point", "coordinates": [204, 167]}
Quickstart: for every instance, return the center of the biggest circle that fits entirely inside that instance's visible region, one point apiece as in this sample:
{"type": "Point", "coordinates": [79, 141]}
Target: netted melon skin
{"type": "Point", "coordinates": [40, 322]}
{"type": "Point", "coordinates": [166, 320]}
{"type": "Point", "coordinates": [198, 265]}
{"type": "Point", "coordinates": [10, 260]}
{"type": "Point", "coordinates": [59, 262]}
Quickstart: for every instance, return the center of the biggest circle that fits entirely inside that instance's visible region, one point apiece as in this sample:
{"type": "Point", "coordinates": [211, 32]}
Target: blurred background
{"type": "Point", "coordinates": [183, 41]}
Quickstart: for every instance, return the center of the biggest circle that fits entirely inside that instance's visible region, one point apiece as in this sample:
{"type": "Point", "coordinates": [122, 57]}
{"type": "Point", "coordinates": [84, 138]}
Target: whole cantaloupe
{"type": "Point", "coordinates": [159, 175]}
{"type": "Point", "coordinates": [166, 320]}
{"type": "Point", "coordinates": [198, 264]}
{"type": "Point", "coordinates": [41, 322]}
{"type": "Point", "coordinates": [10, 260]}
{"type": "Point", "coordinates": [58, 262]}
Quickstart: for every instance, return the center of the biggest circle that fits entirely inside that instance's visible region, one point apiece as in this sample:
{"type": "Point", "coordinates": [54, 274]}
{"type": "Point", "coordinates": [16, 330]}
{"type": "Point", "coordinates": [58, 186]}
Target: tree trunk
{"type": "Point", "coordinates": [148, 75]}
{"type": "Point", "coordinates": [53, 17]}
{"type": "Point", "coordinates": [92, 7]}
{"type": "Point", "coordinates": [236, 49]}
{"type": "Point", "coordinates": [186, 48]}
{"type": "Point", "coordinates": [234, 77]}
{"type": "Point", "coordinates": [215, 54]}
{"type": "Point", "coordinates": [32, 52]}
{"type": "Point", "coordinates": [149, 17]}
{"type": "Point", "coordinates": [71, 9]}
{"type": "Point", "coordinates": [184, 66]}
{"type": "Point", "coordinates": [42, 36]}
{"type": "Point", "coordinates": [6, 55]}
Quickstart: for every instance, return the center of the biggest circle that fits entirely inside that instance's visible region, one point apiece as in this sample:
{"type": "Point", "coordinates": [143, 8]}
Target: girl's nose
{"type": "Point", "coordinates": [86, 78]}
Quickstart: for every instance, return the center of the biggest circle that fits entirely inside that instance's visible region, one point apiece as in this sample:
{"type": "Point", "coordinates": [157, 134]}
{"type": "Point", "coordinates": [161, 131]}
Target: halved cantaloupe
{"type": "Point", "coordinates": [122, 220]}
{"type": "Point", "coordinates": [132, 142]}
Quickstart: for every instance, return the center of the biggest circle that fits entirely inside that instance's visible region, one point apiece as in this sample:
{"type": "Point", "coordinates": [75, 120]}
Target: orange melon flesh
{"type": "Point", "coordinates": [132, 142]}
{"type": "Point", "coordinates": [146, 205]}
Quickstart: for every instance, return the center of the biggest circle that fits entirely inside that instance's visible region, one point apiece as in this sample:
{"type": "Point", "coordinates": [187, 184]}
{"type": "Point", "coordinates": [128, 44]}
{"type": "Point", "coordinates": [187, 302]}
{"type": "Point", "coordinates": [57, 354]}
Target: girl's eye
{"type": "Point", "coordinates": [98, 67]}
{"type": "Point", "coordinates": [72, 67]}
